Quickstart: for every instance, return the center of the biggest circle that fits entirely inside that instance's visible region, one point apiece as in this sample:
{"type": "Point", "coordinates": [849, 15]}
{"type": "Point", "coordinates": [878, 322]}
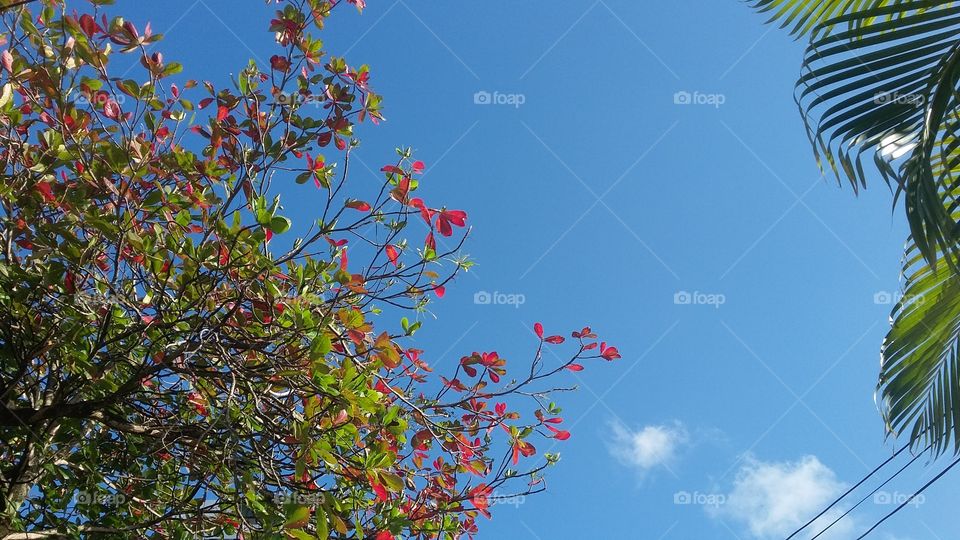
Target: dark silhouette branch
{"type": "Point", "coordinates": [17, 3]}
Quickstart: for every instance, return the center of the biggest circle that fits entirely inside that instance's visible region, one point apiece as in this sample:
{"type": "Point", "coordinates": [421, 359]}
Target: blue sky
{"type": "Point", "coordinates": [598, 199]}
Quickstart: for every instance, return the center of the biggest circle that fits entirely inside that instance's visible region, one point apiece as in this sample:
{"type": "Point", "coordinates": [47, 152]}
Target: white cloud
{"type": "Point", "coordinates": [648, 447]}
{"type": "Point", "coordinates": [772, 499]}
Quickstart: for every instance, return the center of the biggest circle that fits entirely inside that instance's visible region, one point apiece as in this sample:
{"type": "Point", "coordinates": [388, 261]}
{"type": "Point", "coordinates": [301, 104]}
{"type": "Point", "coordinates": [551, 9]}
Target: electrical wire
{"type": "Point", "coordinates": [848, 492]}
{"type": "Point", "coordinates": [868, 495]}
{"type": "Point", "coordinates": [906, 502]}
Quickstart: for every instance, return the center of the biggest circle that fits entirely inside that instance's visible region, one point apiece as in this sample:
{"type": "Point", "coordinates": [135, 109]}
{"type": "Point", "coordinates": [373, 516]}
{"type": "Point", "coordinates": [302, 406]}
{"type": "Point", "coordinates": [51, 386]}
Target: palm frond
{"type": "Point", "coordinates": [802, 16]}
{"type": "Point", "coordinates": [886, 87]}
{"type": "Point", "coordinates": [881, 84]}
{"type": "Point", "coordinates": [919, 388]}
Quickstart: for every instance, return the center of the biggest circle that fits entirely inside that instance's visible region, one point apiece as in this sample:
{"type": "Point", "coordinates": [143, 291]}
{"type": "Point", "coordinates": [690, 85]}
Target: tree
{"type": "Point", "coordinates": [880, 79]}
{"type": "Point", "coordinates": [173, 364]}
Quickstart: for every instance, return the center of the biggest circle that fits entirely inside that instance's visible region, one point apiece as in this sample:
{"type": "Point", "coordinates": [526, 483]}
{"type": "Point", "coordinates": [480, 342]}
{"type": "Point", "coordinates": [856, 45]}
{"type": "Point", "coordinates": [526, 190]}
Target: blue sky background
{"type": "Point", "coordinates": [599, 200]}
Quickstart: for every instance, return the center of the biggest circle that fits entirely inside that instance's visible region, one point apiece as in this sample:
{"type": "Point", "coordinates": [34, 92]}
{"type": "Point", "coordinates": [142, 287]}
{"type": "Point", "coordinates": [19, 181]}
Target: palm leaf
{"type": "Point", "coordinates": [884, 87]}
{"type": "Point", "coordinates": [880, 84]}
{"type": "Point", "coordinates": [919, 388]}
{"type": "Point", "coordinates": [801, 16]}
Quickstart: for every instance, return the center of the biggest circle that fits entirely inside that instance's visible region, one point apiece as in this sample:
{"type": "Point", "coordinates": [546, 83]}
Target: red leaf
{"type": "Point", "coordinates": [392, 169]}
{"type": "Point", "coordinates": [559, 434]}
{"type": "Point", "coordinates": [418, 167]}
{"type": "Point", "coordinates": [385, 535]}
{"type": "Point", "coordinates": [538, 328]}
{"type": "Point", "coordinates": [358, 205]}
{"type": "Point", "coordinates": [575, 367]}
{"type": "Point", "coordinates": [280, 63]}
{"type": "Point", "coordinates": [440, 290]}
{"type": "Point", "coordinates": [381, 493]}
{"type": "Point", "coordinates": [554, 339]}
{"type": "Point", "coordinates": [204, 103]}
{"type": "Point", "coordinates": [45, 191]}
{"type": "Point", "coordinates": [393, 255]}
{"type": "Point", "coordinates": [111, 109]}
{"type": "Point", "coordinates": [479, 497]}
{"type": "Point", "coordinates": [448, 217]}
{"type": "Point", "coordinates": [609, 353]}
{"type": "Point", "coordinates": [222, 113]}
{"type": "Point", "coordinates": [89, 25]}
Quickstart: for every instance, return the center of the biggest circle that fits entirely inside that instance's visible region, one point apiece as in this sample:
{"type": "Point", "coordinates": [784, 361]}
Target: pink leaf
{"type": "Point", "coordinates": [111, 109]}
{"type": "Point", "coordinates": [7, 60]}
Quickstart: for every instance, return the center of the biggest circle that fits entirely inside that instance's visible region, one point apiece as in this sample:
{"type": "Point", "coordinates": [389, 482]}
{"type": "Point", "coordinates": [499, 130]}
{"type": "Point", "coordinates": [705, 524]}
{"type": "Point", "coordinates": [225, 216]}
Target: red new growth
{"type": "Point", "coordinates": [448, 217]}
{"type": "Point", "coordinates": [358, 205]}
{"type": "Point", "coordinates": [609, 353]}
{"type": "Point", "coordinates": [393, 255]}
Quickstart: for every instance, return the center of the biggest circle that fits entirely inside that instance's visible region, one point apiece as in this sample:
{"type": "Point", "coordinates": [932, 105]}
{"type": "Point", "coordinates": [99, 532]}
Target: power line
{"type": "Point", "coordinates": [906, 502]}
{"type": "Point", "coordinates": [867, 496]}
{"type": "Point", "coordinates": [849, 491]}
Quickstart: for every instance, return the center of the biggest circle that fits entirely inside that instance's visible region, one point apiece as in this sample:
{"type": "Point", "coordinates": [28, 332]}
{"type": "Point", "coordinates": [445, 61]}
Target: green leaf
{"type": "Point", "coordinates": [297, 517]}
{"type": "Point", "coordinates": [323, 528]}
{"type": "Point", "coordinates": [392, 481]}
{"type": "Point", "coordinates": [280, 224]}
